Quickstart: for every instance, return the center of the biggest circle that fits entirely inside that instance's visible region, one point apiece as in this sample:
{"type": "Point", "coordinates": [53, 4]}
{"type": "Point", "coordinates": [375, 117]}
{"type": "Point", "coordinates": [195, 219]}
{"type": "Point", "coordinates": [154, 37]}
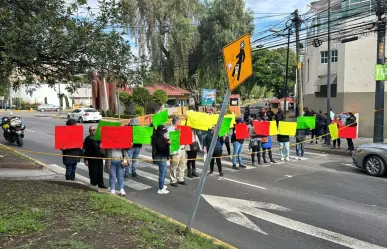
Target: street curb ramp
{"type": "Point", "coordinates": [84, 184]}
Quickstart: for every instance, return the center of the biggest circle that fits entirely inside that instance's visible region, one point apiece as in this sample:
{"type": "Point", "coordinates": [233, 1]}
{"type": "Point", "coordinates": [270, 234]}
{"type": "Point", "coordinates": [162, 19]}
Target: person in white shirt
{"type": "Point", "coordinates": [178, 159]}
{"type": "Point", "coordinates": [332, 115]}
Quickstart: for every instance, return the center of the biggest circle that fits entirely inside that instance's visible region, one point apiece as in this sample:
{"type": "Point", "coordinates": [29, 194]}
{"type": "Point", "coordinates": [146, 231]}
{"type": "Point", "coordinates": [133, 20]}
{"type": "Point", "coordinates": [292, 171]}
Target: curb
{"type": "Point", "coordinates": [83, 181]}
{"type": "Point", "coordinates": [331, 151]}
{"type": "Point", "coordinates": [22, 166]}
{"type": "Point", "coordinates": [58, 117]}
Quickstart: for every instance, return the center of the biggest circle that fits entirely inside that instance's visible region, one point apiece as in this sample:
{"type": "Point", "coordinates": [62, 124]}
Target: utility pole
{"type": "Point", "coordinates": [60, 100]}
{"type": "Point", "coordinates": [380, 10]}
{"type": "Point", "coordinates": [300, 101]}
{"type": "Point", "coordinates": [289, 28]}
{"type": "Point", "coordinates": [328, 138]}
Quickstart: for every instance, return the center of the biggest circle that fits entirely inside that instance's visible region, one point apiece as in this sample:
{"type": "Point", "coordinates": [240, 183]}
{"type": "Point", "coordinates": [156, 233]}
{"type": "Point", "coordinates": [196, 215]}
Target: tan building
{"type": "Point", "coordinates": [353, 63]}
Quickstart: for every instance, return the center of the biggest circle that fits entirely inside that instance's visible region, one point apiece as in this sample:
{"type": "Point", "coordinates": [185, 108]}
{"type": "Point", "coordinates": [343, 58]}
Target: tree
{"type": "Point", "coordinates": [46, 41]}
{"type": "Point", "coordinates": [125, 98]}
{"type": "Point", "coordinates": [141, 96]}
{"type": "Point", "coordinates": [151, 21]}
{"type": "Point", "coordinates": [160, 97]}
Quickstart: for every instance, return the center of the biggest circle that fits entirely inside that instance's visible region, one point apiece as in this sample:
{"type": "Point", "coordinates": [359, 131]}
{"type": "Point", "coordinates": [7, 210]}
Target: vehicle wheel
{"type": "Point", "coordinates": [374, 165]}
{"type": "Point", "coordinates": [68, 117]}
{"type": "Point", "coordinates": [80, 120]}
{"type": "Point", "coordinates": [41, 110]}
{"type": "Point", "coordinates": [19, 141]}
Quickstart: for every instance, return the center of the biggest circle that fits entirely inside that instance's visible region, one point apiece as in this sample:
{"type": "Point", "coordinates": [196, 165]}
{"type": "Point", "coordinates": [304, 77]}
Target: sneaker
{"type": "Point", "coordinates": [122, 192]}
{"type": "Point", "coordinates": [301, 158]}
{"type": "Point", "coordinates": [210, 173]}
{"type": "Point", "coordinates": [183, 183]}
{"type": "Point", "coordinates": [113, 192]}
{"type": "Point", "coordinates": [272, 161]}
{"type": "Point", "coordinates": [165, 187]}
{"type": "Point", "coordinates": [287, 159]}
{"type": "Point", "coordinates": [235, 167]}
{"type": "Point", "coordinates": [134, 175]}
{"type": "Point", "coordinates": [174, 184]}
{"type": "Point", "coordinates": [260, 163]}
{"type": "Point", "coordinates": [221, 174]}
{"type": "Point", "coordinates": [282, 159]}
{"type": "Point", "coordinates": [296, 158]}
{"type": "Point", "coordinates": [242, 166]}
{"type": "Point", "coordinates": [162, 191]}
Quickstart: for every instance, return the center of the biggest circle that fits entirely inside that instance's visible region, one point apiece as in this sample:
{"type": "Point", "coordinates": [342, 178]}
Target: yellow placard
{"type": "Point", "coordinates": [213, 119]}
{"type": "Point", "coordinates": [273, 128]}
{"type": "Point", "coordinates": [198, 120]}
{"type": "Point", "coordinates": [334, 131]}
{"type": "Point", "coordinates": [287, 128]}
{"type": "Point", "coordinates": [237, 61]}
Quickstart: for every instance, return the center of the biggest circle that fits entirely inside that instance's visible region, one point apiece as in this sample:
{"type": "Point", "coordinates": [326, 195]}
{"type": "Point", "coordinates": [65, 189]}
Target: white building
{"type": "Point", "coordinates": [353, 63]}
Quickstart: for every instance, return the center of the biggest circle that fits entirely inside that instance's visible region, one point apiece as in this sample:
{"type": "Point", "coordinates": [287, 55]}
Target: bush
{"type": "Point", "coordinates": [139, 111]}
{"type": "Point", "coordinates": [141, 96]}
{"type": "Point", "coordinates": [125, 99]}
{"type": "Point", "coordinates": [160, 97]}
{"type": "Point", "coordinates": [126, 112]}
{"type": "Point", "coordinates": [124, 116]}
{"type": "Point", "coordinates": [109, 113]}
{"type": "Point", "coordinates": [103, 114]}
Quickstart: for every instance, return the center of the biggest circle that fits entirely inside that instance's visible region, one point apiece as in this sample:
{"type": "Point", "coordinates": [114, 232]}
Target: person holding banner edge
{"type": "Point", "coordinates": [237, 148]}
{"type": "Point", "coordinates": [133, 153]}
{"type": "Point", "coordinates": [160, 153]}
{"type": "Point", "coordinates": [71, 157]}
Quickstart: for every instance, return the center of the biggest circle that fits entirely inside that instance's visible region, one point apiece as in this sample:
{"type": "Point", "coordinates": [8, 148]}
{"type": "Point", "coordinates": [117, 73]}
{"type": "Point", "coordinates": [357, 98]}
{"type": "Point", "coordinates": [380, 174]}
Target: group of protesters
{"type": "Point", "coordinates": [121, 163]}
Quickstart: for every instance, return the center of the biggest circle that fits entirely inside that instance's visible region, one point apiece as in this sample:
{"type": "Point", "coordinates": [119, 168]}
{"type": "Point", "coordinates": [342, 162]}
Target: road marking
{"type": "Point", "coordinates": [28, 130]}
{"type": "Point", "coordinates": [60, 170]}
{"type": "Point", "coordinates": [234, 209]}
{"type": "Point", "coordinates": [244, 183]}
{"type": "Point", "coordinates": [131, 184]}
{"type": "Point", "coordinates": [288, 176]}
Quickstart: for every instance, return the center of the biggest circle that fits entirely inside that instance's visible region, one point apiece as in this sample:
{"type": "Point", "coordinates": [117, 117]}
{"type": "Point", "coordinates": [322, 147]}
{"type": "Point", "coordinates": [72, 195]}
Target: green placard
{"type": "Point", "coordinates": [142, 134]}
{"type": "Point", "coordinates": [306, 122]}
{"type": "Point", "coordinates": [225, 128]}
{"type": "Point", "coordinates": [380, 72]}
{"type": "Point", "coordinates": [174, 136]}
{"type": "Point", "coordinates": [160, 118]}
{"type": "Point", "coordinates": [104, 123]}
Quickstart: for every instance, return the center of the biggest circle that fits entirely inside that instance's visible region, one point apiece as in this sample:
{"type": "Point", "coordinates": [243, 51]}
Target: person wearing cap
{"type": "Point", "coordinates": [133, 154]}
{"type": "Point", "coordinates": [160, 151]}
{"type": "Point", "coordinates": [238, 148]}
{"type": "Point", "coordinates": [178, 159]}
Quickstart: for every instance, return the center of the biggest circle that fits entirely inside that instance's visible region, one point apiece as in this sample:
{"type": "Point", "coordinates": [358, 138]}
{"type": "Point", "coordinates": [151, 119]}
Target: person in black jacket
{"type": "Point", "coordinates": [217, 151]}
{"type": "Point", "coordinates": [284, 146]}
{"type": "Point", "coordinates": [92, 148]}
{"type": "Point", "coordinates": [71, 157]}
{"type": "Point", "coordinates": [350, 121]}
{"type": "Point", "coordinates": [160, 150]}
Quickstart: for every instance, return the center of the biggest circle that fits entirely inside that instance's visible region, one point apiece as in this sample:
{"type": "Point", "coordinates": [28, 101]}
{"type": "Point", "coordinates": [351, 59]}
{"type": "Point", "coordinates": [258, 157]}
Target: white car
{"type": "Point", "coordinates": [85, 115]}
{"type": "Point", "coordinates": [48, 107]}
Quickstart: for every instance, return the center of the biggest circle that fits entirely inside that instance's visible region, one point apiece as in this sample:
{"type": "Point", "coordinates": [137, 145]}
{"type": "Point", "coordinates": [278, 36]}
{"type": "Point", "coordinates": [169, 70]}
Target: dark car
{"type": "Point", "coordinates": [372, 158]}
{"type": "Point", "coordinates": [256, 108]}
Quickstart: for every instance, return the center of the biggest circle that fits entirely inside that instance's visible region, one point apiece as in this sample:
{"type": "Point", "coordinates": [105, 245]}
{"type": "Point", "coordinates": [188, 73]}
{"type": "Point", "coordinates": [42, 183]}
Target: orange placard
{"type": "Point", "coordinates": [237, 61]}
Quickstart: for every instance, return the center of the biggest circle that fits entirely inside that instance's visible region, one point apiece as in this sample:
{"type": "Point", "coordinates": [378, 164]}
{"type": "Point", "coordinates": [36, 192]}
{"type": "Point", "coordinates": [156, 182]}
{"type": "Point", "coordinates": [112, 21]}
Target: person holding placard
{"type": "Point", "coordinates": [284, 146]}
{"type": "Point", "coordinates": [192, 152]}
{"type": "Point", "coordinates": [217, 151]}
{"type": "Point", "coordinates": [133, 154]}
{"type": "Point", "coordinates": [92, 148]}
{"type": "Point", "coordinates": [266, 144]}
{"type": "Point", "coordinates": [255, 145]}
{"type": "Point", "coordinates": [237, 148]}
{"type": "Point", "coordinates": [160, 152]}
{"type": "Point", "coordinates": [339, 124]}
{"type": "Point", "coordinates": [178, 159]}
{"type": "Point", "coordinates": [116, 160]}
{"type": "Point", "coordinates": [300, 139]}
{"type": "Point", "coordinates": [350, 121]}
{"type": "Point", "coordinates": [71, 157]}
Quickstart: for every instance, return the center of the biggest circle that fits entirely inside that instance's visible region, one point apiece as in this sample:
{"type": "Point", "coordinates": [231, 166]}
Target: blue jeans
{"type": "Point", "coordinates": [300, 148]}
{"type": "Point", "coordinates": [284, 149]}
{"type": "Point", "coordinates": [162, 162]}
{"type": "Point", "coordinates": [238, 147]}
{"type": "Point", "coordinates": [116, 172]}
{"type": "Point", "coordinates": [70, 169]}
{"type": "Point", "coordinates": [133, 153]}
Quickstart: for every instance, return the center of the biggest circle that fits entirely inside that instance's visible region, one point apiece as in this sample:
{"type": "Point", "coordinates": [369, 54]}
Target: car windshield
{"type": "Point", "coordinates": [91, 110]}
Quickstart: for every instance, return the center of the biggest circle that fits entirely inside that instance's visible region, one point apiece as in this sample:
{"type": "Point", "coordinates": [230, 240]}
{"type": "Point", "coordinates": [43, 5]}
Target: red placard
{"type": "Point", "coordinates": [185, 135]}
{"type": "Point", "coordinates": [69, 137]}
{"type": "Point", "coordinates": [116, 137]}
{"type": "Point", "coordinates": [241, 131]}
{"type": "Point", "coordinates": [348, 132]}
{"type": "Point", "coordinates": [262, 128]}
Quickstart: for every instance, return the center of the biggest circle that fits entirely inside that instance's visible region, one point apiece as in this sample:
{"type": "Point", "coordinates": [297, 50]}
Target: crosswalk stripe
{"type": "Point", "coordinates": [131, 184]}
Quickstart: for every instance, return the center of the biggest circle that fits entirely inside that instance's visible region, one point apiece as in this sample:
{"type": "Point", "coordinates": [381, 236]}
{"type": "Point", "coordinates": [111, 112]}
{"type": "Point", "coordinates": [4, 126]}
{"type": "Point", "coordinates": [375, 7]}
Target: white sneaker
{"type": "Point", "coordinates": [282, 159]}
{"type": "Point", "coordinates": [122, 192]}
{"type": "Point", "coordinates": [296, 158]}
{"type": "Point", "coordinates": [113, 192]}
{"type": "Point", "coordinates": [162, 191]}
{"type": "Point", "coordinates": [165, 187]}
{"type": "Point", "coordinates": [287, 159]}
{"type": "Point", "coordinates": [301, 158]}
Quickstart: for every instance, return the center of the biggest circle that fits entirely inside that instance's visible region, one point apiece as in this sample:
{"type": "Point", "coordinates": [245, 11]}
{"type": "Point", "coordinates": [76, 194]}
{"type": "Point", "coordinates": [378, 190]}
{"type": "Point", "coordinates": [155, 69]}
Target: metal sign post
{"type": "Point", "coordinates": [238, 65]}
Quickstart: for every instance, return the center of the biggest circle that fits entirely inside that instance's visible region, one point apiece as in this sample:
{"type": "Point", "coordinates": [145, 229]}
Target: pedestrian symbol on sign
{"type": "Point", "coordinates": [241, 58]}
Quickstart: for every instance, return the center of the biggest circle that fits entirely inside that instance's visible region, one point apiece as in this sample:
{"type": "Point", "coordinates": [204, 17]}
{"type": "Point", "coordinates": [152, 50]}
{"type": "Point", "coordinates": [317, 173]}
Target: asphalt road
{"type": "Point", "coordinates": [319, 202]}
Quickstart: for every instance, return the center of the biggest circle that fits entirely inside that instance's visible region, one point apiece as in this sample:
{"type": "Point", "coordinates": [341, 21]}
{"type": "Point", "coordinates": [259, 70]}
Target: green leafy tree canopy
{"type": "Point", "coordinates": [141, 96]}
{"type": "Point", "coordinates": [160, 97]}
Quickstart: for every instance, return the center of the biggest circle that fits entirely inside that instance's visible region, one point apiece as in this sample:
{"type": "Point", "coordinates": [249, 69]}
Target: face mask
{"type": "Point", "coordinates": [165, 135]}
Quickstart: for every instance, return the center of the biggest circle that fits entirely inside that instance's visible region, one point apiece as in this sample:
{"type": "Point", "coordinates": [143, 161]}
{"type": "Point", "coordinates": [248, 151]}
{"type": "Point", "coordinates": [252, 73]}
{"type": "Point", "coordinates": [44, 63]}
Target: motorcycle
{"type": "Point", "coordinates": [13, 130]}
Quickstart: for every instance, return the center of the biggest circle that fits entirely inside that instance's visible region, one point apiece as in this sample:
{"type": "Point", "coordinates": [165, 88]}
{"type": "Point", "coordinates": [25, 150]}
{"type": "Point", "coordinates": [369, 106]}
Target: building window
{"type": "Point", "coordinates": [335, 56]}
{"type": "Point", "coordinates": [323, 91]}
{"type": "Point", "coordinates": [324, 57]}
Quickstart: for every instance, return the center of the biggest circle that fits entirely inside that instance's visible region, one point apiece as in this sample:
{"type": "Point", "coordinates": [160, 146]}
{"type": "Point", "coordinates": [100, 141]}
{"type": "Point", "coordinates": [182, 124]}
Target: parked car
{"type": "Point", "coordinates": [85, 115]}
{"type": "Point", "coordinates": [372, 158]}
{"type": "Point", "coordinates": [48, 107]}
{"type": "Point", "coordinates": [256, 108]}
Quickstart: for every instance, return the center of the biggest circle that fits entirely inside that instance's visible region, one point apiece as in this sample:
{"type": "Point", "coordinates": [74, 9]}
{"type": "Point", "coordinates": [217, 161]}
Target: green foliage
{"type": "Point", "coordinates": [160, 97]}
{"type": "Point", "coordinates": [21, 221]}
{"type": "Point", "coordinates": [109, 113]}
{"type": "Point", "coordinates": [67, 102]}
{"type": "Point", "coordinates": [103, 114]}
{"type": "Point", "coordinates": [125, 98]}
{"type": "Point", "coordinates": [141, 96]}
{"type": "Point", "coordinates": [139, 111]}
{"type": "Point", "coordinates": [219, 100]}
